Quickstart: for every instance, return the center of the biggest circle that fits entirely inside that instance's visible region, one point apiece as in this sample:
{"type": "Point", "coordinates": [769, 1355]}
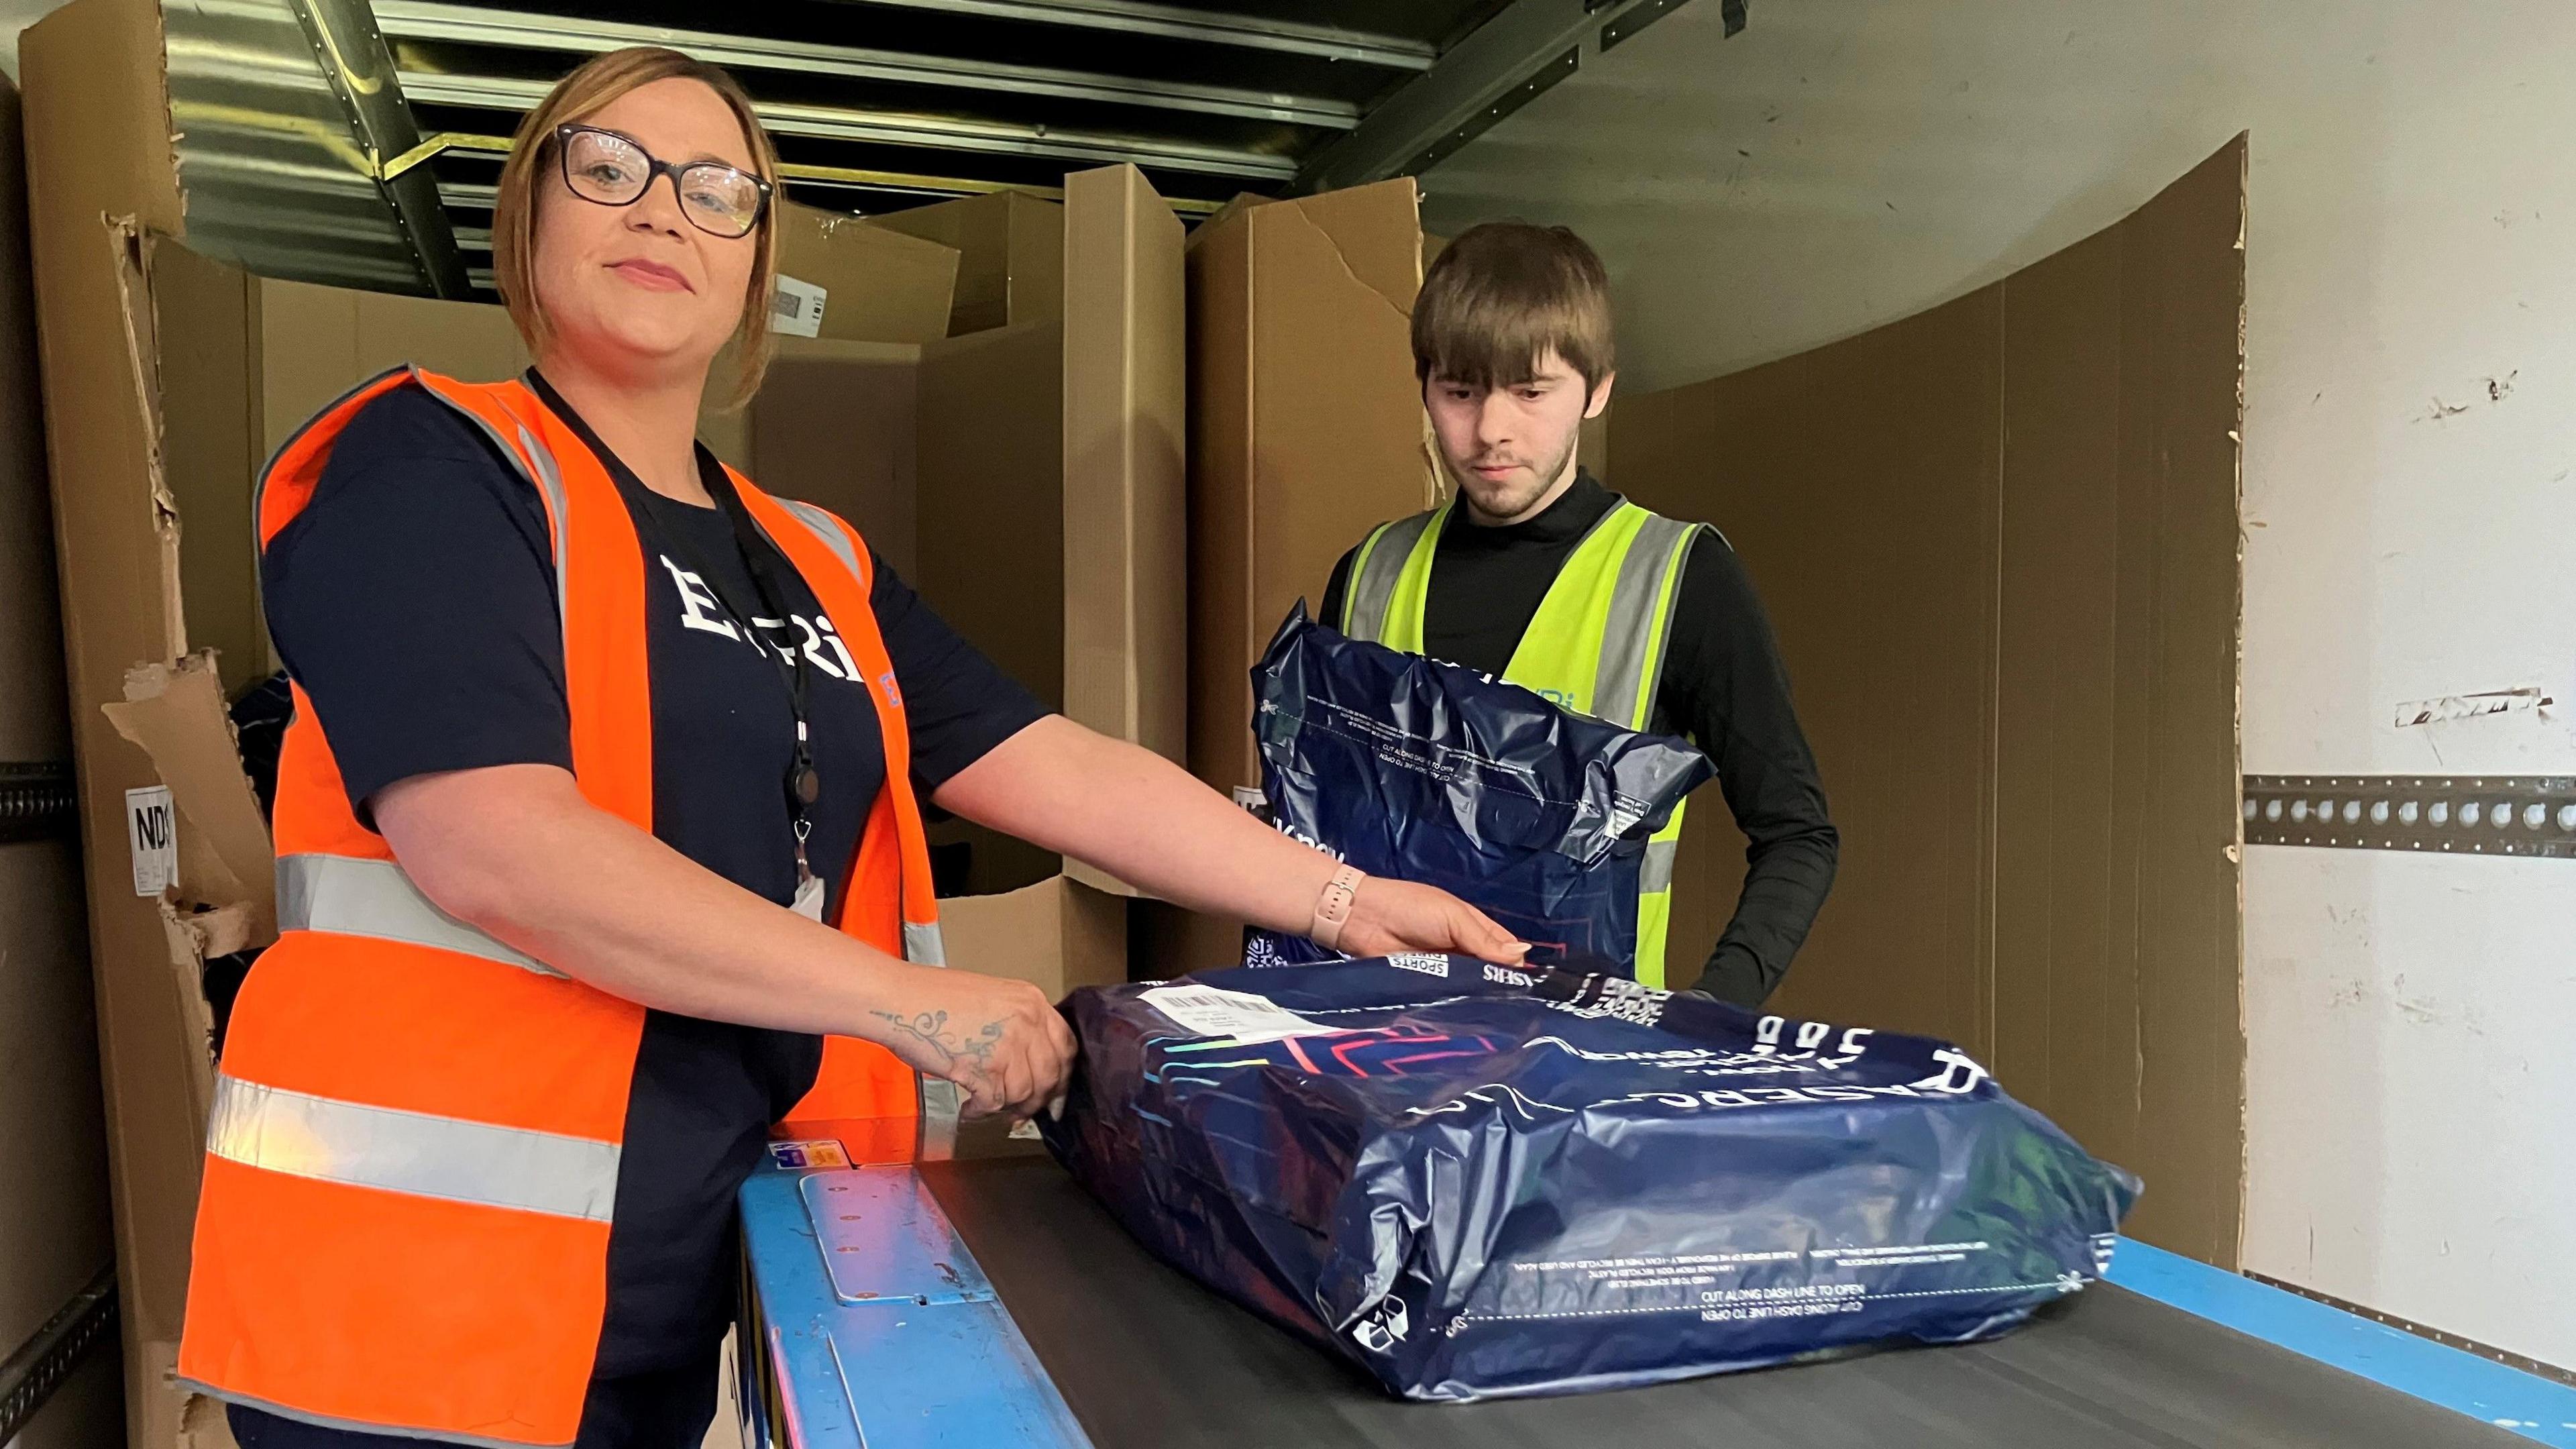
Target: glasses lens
{"type": "Point", "coordinates": [605, 168]}
{"type": "Point", "coordinates": [720, 199]}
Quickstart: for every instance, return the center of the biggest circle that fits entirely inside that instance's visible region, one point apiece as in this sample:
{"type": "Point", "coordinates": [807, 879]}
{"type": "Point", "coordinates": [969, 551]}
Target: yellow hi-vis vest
{"type": "Point", "coordinates": [1596, 645]}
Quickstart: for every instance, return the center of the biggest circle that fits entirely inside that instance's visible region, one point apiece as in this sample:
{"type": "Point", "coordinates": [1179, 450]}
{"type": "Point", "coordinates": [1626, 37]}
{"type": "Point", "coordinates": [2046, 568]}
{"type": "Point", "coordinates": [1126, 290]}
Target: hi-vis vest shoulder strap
{"type": "Point", "coordinates": [414, 1152]}
{"type": "Point", "coordinates": [1596, 645]}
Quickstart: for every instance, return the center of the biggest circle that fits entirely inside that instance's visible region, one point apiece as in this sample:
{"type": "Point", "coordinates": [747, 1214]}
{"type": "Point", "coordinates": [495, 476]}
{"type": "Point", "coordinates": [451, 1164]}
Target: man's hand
{"type": "Point", "coordinates": [1397, 915]}
{"type": "Point", "coordinates": [1001, 1042]}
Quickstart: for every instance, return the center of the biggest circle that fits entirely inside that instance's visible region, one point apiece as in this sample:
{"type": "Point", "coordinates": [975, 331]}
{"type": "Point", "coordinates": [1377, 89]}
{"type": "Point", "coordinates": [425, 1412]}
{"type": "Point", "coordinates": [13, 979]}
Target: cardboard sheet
{"type": "Point", "coordinates": [1879, 581]}
{"type": "Point", "coordinates": [1306, 427]}
{"type": "Point", "coordinates": [991, 538]}
{"type": "Point", "coordinates": [1126, 539]}
{"type": "Point", "coordinates": [1999, 541]}
{"type": "Point", "coordinates": [1056, 935]}
{"type": "Point", "coordinates": [1011, 254]}
{"type": "Point", "coordinates": [56, 1228]}
{"type": "Point", "coordinates": [98, 147]}
{"type": "Point", "coordinates": [834, 425]}
{"type": "Point", "coordinates": [880, 285]}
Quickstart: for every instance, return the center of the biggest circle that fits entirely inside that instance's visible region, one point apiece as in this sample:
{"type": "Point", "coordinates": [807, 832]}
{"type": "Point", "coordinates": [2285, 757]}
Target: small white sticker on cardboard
{"type": "Point", "coordinates": [152, 829]}
{"type": "Point", "coordinates": [796, 308]}
{"type": "Point", "coordinates": [1239, 1015]}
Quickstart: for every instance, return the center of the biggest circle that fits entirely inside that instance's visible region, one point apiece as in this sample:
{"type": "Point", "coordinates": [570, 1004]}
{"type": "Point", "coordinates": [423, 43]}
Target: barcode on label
{"type": "Point", "coordinates": [1239, 1015]}
{"type": "Point", "coordinates": [796, 308]}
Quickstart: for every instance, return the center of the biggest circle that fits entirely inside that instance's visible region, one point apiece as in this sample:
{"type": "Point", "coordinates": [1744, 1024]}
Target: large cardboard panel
{"type": "Point", "coordinates": [1306, 426]}
{"type": "Point", "coordinates": [991, 530]}
{"type": "Point", "coordinates": [2117, 959]}
{"type": "Point", "coordinates": [98, 147]}
{"type": "Point", "coordinates": [1126, 540]}
{"type": "Point", "coordinates": [2181, 617]}
{"type": "Point", "coordinates": [991, 512]}
{"type": "Point", "coordinates": [835, 425]}
{"type": "Point", "coordinates": [1219, 508]}
{"type": "Point", "coordinates": [879, 285]}
{"type": "Point", "coordinates": [2014, 638]}
{"type": "Point", "coordinates": [1056, 935]}
{"type": "Point", "coordinates": [1873, 547]}
{"type": "Point", "coordinates": [56, 1229]}
{"type": "Point", "coordinates": [2065, 979]}
{"type": "Point", "coordinates": [208, 382]}
{"type": "Point", "coordinates": [316, 343]}
{"type": "Point", "coordinates": [1011, 255]}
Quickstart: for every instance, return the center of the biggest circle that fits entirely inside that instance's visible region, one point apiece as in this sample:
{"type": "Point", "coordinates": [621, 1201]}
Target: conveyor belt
{"type": "Point", "coordinates": [1149, 1360]}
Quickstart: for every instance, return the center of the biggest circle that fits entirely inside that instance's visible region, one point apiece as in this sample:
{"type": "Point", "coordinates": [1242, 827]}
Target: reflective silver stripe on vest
{"type": "Point", "coordinates": [1656, 875]}
{"type": "Point", "coordinates": [550, 479]}
{"type": "Point", "coordinates": [923, 945]}
{"type": "Point", "coordinates": [1371, 587]}
{"type": "Point", "coordinates": [1626, 676]}
{"type": "Point", "coordinates": [325, 1421]}
{"type": "Point", "coordinates": [547, 479]}
{"type": "Point", "coordinates": [941, 1105]}
{"type": "Point", "coordinates": [450, 1158]}
{"type": "Point", "coordinates": [349, 896]}
{"type": "Point", "coordinates": [827, 530]}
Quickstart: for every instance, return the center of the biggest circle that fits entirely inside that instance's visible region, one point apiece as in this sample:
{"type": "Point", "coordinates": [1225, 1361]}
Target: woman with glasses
{"type": "Point", "coordinates": [600, 845]}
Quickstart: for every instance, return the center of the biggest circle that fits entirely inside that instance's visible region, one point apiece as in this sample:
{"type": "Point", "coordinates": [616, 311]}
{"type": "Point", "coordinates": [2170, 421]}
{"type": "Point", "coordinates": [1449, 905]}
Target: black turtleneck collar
{"type": "Point", "coordinates": [1567, 519]}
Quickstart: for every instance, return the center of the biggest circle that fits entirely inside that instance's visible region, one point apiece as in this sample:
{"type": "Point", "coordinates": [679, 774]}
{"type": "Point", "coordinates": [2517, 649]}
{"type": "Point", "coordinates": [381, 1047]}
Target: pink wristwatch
{"type": "Point", "coordinates": [1333, 907]}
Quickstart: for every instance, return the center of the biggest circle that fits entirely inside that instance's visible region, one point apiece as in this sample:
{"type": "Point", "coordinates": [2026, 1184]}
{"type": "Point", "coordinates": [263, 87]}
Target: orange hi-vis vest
{"type": "Point", "coordinates": [417, 1128]}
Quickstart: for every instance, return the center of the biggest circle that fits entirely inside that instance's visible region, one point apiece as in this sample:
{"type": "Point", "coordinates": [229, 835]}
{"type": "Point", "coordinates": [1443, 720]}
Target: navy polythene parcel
{"type": "Point", "coordinates": [1474, 1181]}
{"type": "Point", "coordinates": [1408, 767]}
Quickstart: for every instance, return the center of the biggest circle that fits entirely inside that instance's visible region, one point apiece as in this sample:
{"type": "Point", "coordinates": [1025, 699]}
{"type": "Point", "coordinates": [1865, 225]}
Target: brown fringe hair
{"type": "Point", "coordinates": [1505, 294]}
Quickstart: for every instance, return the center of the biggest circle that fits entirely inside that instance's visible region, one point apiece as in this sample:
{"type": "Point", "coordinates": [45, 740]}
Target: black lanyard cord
{"type": "Point", "coordinates": [804, 784]}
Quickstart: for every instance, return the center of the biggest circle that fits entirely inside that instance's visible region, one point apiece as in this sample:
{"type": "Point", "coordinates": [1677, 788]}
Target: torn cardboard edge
{"type": "Point", "coordinates": [175, 713]}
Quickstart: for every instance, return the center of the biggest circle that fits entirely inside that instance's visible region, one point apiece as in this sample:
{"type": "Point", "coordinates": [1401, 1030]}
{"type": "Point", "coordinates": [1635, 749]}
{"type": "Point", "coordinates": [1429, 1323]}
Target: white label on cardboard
{"type": "Point", "coordinates": [1237, 1015]}
{"type": "Point", "coordinates": [152, 828]}
{"type": "Point", "coordinates": [796, 308]}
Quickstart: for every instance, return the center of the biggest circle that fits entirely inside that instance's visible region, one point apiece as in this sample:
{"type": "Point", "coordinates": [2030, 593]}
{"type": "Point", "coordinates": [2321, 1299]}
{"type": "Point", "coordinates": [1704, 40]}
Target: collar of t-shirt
{"type": "Point", "coordinates": [1559, 524]}
{"type": "Point", "coordinates": [710, 471]}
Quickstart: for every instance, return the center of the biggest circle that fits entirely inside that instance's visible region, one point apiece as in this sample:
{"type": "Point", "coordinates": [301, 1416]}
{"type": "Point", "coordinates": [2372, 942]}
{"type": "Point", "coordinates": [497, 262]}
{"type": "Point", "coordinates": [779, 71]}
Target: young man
{"type": "Point", "coordinates": [1536, 573]}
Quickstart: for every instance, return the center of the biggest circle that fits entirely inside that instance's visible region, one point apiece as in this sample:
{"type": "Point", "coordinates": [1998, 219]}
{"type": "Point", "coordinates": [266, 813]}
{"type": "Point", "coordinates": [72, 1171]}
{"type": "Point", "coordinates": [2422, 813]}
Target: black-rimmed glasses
{"type": "Point", "coordinates": [610, 169]}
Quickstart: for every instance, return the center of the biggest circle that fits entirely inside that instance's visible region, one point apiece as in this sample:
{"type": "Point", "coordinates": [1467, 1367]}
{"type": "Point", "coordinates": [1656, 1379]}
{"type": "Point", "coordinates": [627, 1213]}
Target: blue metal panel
{"type": "Point", "coordinates": [2437, 1373]}
{"type": "Point", "coordinates": [881, 1332]}
{"type": "Point", "coordinates": [885, 1240]}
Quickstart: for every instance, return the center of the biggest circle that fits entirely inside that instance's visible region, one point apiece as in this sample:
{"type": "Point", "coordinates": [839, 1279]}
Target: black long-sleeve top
{"type": "Point", "coordinates": [1723, 686]}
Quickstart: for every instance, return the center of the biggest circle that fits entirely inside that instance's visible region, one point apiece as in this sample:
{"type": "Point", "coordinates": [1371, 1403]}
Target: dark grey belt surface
{"type": "Point", "coordinates": [1150, 1360]}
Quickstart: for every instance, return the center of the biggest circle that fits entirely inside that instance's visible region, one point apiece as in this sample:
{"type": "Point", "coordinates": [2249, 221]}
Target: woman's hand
{"type": "Point", "coordinates": [1142, 819]}
{"type": "Point", "coordinates": [1398, 915]}
{"type": "Point", "coordinates": [1000, 1041]}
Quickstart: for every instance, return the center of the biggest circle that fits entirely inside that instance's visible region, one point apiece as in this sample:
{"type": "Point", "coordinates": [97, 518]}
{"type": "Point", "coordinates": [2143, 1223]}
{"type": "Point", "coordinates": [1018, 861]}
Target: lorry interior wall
{"type": "Point", "coordinates": [1999, 542]}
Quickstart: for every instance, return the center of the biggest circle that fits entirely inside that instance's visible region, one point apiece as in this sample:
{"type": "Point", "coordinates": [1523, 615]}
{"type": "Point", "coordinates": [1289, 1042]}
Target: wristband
{"type": "Point", "coordinates": [1333, 907]}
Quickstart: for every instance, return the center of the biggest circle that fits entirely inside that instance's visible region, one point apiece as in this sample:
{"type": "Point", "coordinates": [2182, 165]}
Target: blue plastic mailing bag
{"type": "Point", "coordinates": [1412, 768]}
{"type": "Point", "coordinates": [1473, 1181]}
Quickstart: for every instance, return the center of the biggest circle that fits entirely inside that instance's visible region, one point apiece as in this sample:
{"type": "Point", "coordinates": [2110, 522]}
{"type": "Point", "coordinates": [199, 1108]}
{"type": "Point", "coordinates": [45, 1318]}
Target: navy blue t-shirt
{"type": "Point", "coordinates": [414, 600]}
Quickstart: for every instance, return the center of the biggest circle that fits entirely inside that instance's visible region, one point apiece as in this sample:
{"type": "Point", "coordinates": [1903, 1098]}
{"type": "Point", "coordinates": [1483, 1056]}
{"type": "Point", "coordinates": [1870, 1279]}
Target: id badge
{"type": "Point", "coordinates": [809, 897]}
